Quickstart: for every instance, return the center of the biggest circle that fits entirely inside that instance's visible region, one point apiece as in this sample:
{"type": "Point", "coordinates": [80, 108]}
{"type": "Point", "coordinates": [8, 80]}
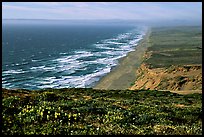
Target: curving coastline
{"type": "Point", "coordinates": [123, 75]}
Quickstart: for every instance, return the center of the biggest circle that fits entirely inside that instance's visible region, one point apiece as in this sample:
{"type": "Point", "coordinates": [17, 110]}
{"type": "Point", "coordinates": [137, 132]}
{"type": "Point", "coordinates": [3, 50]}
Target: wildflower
{"type": "Point", "coordinates": [69, 115]}
{"type": "Point", "coordinates": [55, 114]}
{"type": "Point", "coordinates": [31, 110]}
{"type": "Point", "coordinates": [24, 110]}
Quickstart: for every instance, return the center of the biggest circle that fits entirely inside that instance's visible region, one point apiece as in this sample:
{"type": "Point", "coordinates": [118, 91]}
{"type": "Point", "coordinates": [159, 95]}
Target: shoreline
{"type": "Point", "coordinates": [124, 74]}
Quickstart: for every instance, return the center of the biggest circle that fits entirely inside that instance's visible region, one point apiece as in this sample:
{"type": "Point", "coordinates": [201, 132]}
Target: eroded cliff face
{"type": "Point", "coordinates": [188, 77]}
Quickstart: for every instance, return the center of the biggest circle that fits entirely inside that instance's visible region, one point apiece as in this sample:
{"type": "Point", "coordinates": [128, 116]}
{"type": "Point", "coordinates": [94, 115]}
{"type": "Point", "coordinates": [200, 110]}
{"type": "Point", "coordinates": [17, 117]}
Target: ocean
{"type": "Point", "coordinates": [61, 55]}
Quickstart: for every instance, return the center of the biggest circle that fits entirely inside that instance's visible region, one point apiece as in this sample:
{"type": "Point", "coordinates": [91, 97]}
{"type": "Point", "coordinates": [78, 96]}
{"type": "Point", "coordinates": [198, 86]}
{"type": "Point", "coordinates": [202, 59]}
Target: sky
{"type": "Point", "coordinates": [142, 11]}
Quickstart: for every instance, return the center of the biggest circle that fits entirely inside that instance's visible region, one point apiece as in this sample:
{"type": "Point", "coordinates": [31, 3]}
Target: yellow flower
{"type": "Point", "coordinates": [24, 110]}
{"type": "Point", "coordinates": [69, 116]}
{"type": "Point", "coordinates": [55, 114]}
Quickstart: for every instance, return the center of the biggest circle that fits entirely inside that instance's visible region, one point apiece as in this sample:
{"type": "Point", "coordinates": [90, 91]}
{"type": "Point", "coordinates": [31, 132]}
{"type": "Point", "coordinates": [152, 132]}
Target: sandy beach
{"type": "Point", "coordinates": [123, 75]}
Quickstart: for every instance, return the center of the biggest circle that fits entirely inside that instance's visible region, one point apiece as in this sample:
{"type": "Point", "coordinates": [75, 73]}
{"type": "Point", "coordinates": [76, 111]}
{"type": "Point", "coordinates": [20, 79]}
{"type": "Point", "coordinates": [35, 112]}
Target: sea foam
{"type": "Point", "coordinates": [83, 67]}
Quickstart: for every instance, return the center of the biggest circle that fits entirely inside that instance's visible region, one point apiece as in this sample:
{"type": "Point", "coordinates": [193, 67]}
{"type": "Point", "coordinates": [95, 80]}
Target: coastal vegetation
{"type": "Point", "coordinates": [101, 68]}
{"type": "Point", "coordinates": [173, 61]}
{"type": "Point", "coordinates": [85, 111]}
{"type": "Point", "coordinates": [175, 46]}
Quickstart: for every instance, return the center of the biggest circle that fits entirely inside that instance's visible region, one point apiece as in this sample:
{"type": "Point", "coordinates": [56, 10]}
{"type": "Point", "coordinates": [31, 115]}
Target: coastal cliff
{"type": "Point", "coordinates": [173, 62]}
{"type": "Point", "coordinates": [172, 78]}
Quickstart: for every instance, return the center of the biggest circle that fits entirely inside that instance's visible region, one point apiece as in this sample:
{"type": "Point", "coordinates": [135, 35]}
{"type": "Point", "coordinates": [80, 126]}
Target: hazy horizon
{"type": "Point", "coordinates": [101, 22]}
{"type": "Point", "coordinates": [141, 12]}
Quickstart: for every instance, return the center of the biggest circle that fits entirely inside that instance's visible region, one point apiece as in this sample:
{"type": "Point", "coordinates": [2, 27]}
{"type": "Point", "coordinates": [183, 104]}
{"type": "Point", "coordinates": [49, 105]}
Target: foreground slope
{"type": "Point", "coordinates": [88, 111]}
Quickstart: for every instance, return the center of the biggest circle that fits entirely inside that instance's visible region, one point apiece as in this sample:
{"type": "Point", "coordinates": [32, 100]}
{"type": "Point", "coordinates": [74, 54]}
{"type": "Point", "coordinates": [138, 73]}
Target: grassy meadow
{"type": "Point", "coordinates": [100, 112]}
{"type": "Point", "coordinates": [175, 46]}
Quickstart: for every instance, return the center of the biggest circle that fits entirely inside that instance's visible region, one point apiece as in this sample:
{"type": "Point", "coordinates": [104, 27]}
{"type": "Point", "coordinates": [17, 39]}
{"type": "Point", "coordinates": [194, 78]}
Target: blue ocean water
{"type": "Point", "coordinates": [59, 55]}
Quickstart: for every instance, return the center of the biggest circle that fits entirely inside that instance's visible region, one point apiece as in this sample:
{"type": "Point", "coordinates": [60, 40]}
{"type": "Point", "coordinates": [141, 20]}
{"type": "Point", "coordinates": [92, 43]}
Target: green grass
{"type": "Point", "coordinates": [98, 112]}
{"type": "Point", "coordinates": [175, 46]}
{"type": "Point", "coordinates": [85, 111]}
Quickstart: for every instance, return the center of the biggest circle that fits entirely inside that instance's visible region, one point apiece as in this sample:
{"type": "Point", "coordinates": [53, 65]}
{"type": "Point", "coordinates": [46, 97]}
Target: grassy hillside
{"type": "Point", "coordinates": [175, 46]}
{"type": "Point", "coordinates": [173, 61]}
{"type": "Point", "coordinates": [88, 111]}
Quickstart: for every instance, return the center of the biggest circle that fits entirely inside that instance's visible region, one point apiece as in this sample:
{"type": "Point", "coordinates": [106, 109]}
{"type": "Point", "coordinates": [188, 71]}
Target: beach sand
{"type": "Point", "coordinates": [124, 74]}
